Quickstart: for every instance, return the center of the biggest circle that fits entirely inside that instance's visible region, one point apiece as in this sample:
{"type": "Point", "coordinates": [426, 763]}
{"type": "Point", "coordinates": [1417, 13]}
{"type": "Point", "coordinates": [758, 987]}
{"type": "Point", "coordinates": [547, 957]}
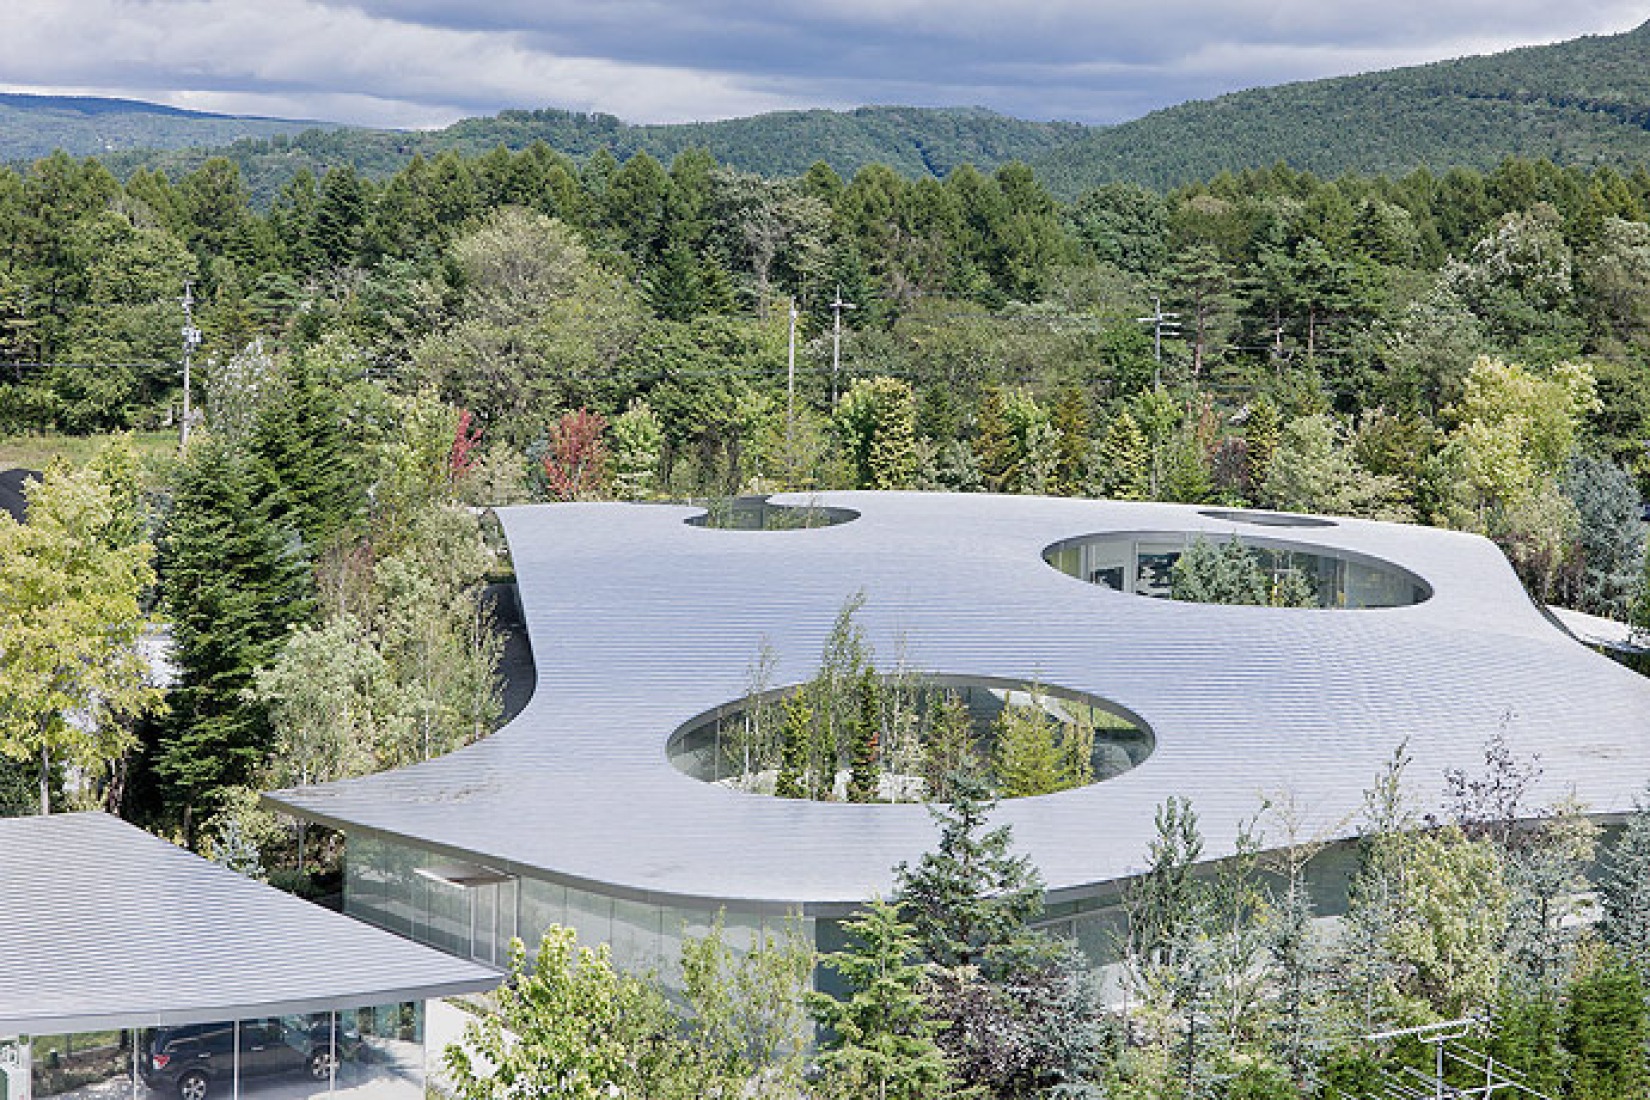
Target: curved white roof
{"type": "Point", "coordinates": [639, 622]}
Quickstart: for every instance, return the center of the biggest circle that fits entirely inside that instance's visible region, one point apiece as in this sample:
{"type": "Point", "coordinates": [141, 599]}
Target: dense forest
{"type": "Point", "coordinates": [377, 358]}
{"type": "Point", "coordinates": [1466, 350]}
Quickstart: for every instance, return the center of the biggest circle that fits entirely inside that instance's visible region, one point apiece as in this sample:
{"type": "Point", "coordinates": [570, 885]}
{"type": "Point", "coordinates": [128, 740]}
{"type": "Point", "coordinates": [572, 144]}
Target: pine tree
{"type": "Point", "coordinates": [233, 587]}
{"type": "Point", "coordinates": [880, 1041]}
{"type": "Point", "coordinates": [993, 438]}
{"type": "Point", "coordinates": [971, 898]}
{"type": "Point", "coordinates": [1605, 1032]}
{"type": "Point", "coordinates": [1122, 462]}
{"type": "Point", "coordinates": [1228, 573]}
{"type": "Point", "coordinates": [1625, 891]}
{"type": "Point", "coordinates": [794, 740]}
{"type": "Point", "coordinates": [1261, 434]}
{"type": "Point", "coordinates": [864, 769]}
{"type": "Point", "coordinates": [304, 463]}
{"type": "Point", "coordinates": [1027, 760]}
{"type": "Point", "coordinates": [1073, 428]}
{"type": "Point", "coordinates": [948, 744]}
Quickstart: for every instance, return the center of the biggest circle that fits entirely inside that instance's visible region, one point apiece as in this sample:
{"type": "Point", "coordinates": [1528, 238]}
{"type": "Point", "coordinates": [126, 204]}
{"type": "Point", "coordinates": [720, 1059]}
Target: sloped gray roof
{"type": "Point", "coordinates": [104, 926]}
{"type": "Point", "coordinates": [640, 622]}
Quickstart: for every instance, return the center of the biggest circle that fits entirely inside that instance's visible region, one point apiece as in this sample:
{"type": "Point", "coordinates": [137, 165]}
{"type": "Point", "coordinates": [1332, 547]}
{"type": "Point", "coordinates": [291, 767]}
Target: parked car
{"type": "Point", "coordinates": [197, 1060]}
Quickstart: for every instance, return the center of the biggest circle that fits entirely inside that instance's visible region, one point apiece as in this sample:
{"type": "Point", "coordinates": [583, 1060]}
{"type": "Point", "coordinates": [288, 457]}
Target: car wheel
{"type": "Point", "coordinates": [192, 1086]}
{"type": "Point", "coordinates": [322, 1063]}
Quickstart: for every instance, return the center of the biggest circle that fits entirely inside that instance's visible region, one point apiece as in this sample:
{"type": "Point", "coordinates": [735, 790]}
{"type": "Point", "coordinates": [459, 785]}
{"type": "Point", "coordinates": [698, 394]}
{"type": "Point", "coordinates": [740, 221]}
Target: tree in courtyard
{"type": "Point", "coordinates": [797, 732]}
{"type": "Point", "coordinates": [881, 1040]}
{"type": "Point", "coordinates": [1028, 757]}
{"type": "Point", "coordinates": [70, 622]}
{"type": "Point", "coordinates": [1224, 573]}
{"type": "Point", "coordinates": [864, 767]}
{"type": "Point", "coordinates": [949, 746]}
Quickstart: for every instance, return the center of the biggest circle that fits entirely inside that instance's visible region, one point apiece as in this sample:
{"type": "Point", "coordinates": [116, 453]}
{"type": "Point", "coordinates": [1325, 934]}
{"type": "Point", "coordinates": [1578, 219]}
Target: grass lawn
{"type": "Point", "coordinates": [32, 452]}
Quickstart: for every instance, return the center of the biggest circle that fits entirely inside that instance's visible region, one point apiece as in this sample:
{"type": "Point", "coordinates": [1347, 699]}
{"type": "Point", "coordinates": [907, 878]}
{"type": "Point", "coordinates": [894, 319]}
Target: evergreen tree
{"type": "Point", "coordinates": [880, 1041]}
{"type": "Point", "coordinates": [993, 438]}
{"type": "Point", "coordinates": [1605, 1031]}
{"type": "Point", "coordinates": [970, 898]}
{"type": "Point", "coordinates": [865, 768]}
{"type": "Point", "coordinates": [948, 745]}
{"type": "Point", "coordinates": [305, 465]}
{"type": "Point", "coordinates": [1228, 573]}
{"type": "Point", "coordinates": [1073, 428]}
{"type": "Point", "coordinates": [1260, 435]}
{"type": "Point", "coordinates": [1028, 758]}
{"type": "Point", "coordinates": [1122, 462]}
{"type": "Point", "coordinates": [794, 741]}
{"type": "Point", "coordinates": [1625, 891]}
{"type": "Point", "coordinates": [232, 586]}
{"type": "Point", "coordinates": [877, 419]}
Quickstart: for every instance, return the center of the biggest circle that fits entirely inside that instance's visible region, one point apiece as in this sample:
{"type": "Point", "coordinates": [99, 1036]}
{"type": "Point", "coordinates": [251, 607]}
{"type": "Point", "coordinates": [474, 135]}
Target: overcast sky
{"type": "Point", "coordinates": [428, 62]}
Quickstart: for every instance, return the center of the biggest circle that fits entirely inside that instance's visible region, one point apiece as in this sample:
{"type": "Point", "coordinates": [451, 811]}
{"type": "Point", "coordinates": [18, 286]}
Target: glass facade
{"type": "Point", "coordinates": [1143, 566]}
{"type": "Point", "coordinates": [473, 912]}
{"type": "Point", "coordinates": [374, 1052]}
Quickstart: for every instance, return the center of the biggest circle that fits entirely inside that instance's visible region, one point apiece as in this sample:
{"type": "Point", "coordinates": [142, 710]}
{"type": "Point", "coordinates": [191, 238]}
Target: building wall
{"type": "Point", "coordinates": [383, 885]}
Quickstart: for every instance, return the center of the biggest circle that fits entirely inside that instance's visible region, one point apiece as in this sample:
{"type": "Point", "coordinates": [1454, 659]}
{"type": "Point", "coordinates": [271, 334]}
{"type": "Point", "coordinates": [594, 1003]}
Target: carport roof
{"type": "Point", "coordinates": [104, 926]}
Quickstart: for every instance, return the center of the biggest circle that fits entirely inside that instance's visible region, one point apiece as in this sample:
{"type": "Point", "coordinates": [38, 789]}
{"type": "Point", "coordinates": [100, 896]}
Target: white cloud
{"type": "Point", "coordinates": [427, 62]}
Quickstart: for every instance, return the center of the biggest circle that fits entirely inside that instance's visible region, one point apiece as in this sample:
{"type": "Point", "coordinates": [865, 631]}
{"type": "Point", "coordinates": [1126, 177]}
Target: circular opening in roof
{"type": "Point", "coordinates": [758, 513]}
{"type": "Point", "coordinates": [898, 738]}
{"type": "Point", "coordinates": [1242, 569]}
{"type": "Point", "coordinates": [1266, 519]}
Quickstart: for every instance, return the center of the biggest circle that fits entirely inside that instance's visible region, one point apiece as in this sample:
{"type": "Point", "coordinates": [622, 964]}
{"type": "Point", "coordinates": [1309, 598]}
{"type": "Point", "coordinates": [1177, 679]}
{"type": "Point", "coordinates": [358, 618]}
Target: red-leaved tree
{"type": "Point", "coordinates": [575, 464]}
{"type": "Point", "coordinates": [461, 458]}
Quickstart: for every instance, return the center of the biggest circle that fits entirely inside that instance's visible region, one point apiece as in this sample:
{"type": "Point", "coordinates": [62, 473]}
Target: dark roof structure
{"type": "Point", "coordinates": [641, 622]}
{"type": "Point", "coordinates": [105, 926]}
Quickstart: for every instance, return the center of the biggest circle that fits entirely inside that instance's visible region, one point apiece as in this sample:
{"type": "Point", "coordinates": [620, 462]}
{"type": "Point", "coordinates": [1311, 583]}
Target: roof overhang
{"type": "Point", "coordinates": [105, 926]}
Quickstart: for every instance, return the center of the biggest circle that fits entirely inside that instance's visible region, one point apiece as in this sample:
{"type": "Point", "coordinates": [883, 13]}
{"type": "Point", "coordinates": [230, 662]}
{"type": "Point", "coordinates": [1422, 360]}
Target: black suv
{"type": "Point", "coordinates": [198, 1059]}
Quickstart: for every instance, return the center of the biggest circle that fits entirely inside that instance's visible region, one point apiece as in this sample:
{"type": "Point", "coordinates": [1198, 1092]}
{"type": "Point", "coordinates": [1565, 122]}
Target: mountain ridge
{"type": "Point", "coordinates": [1582, 101]}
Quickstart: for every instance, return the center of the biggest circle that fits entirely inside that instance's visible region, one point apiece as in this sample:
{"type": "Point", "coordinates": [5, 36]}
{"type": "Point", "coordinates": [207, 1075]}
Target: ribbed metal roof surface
{"type": "Point", "coordinates": [639, 622]}
{"type": "Point", "coordinates": [104, 926]}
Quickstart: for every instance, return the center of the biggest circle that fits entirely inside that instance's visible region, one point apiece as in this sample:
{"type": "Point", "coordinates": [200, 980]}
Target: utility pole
{"type": "Point", "coordinates": [1161, 322]}
{"type": "Point", "coordinates": [790, 379]}
{"type": "Point", "coordinates": [191, 341]}
{"type": "Point", "coordinates": [837, 306]}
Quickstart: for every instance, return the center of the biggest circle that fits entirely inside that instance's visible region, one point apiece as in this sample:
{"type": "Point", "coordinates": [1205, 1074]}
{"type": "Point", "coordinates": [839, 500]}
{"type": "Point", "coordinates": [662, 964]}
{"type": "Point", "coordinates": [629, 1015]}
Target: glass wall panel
{"type": "Point", "coordinates": [86, 1066]}
{"type": "Point", "coordinates": [637, 943]}
{"type": "Point", "coordinates": [447, 917]}
{"type": "Point", "coordinates": [381, 1052]}
{"type": "Point", "coordinates": [1154, 569]}
{"type": "Point", "coordinates": [542, 904]}
{"type": "Point", "coordinates": [589, 915]}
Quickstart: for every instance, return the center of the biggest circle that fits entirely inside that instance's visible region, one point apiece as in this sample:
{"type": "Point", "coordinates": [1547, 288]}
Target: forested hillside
{"type": "Point", "coordinates": [1581, 102]}
{"type": "Point", "coordinates": [32, 126]}
{"type": "Point", "coordinates": [1585, 101]}
{"type": "Point", "coordinates": [913, 141]}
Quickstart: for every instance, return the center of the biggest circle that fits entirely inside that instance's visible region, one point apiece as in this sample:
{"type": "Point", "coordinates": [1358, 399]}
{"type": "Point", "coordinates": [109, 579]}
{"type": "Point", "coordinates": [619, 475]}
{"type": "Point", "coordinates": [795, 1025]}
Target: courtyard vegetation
{"type": "Point", "coordinates": [1225, 979]}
